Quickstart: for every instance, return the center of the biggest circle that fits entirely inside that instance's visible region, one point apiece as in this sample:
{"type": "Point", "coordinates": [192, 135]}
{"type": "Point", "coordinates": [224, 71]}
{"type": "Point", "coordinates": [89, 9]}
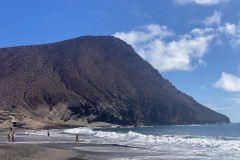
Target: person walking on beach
{"type": "Point", "coordinates": [13, 137]}
{"type": "Point", "coordinates": [9, 138]}
{"type": "Point", "coordinates": [77, 138]}
{"type": "Point", "coordinates": [11, 128]}
{"type": "Point", "coordinates": [48, 133]}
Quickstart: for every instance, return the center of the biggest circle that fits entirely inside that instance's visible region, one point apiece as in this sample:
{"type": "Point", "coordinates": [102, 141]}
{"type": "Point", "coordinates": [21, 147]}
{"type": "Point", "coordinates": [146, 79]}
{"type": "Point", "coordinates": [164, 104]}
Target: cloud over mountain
{"type": "Point", "coordinates": [167, 51]}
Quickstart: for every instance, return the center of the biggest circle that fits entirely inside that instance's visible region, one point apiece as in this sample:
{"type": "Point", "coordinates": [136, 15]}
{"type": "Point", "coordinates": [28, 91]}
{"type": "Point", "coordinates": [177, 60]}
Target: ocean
{"type": "Point", "coordinates": [190, 142]}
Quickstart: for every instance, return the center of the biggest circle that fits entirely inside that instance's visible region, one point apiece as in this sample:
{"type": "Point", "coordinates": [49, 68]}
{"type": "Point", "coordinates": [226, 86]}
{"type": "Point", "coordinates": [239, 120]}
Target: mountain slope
{"type": "Point", "coordinates": [91, 79]}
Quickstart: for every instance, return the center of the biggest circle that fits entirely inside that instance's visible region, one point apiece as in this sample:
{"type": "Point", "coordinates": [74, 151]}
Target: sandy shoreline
{"type": "Point", "coordinates": [41, 147]}
{"type": "Point", "coordinates": [32, 151]}
{"type": "Point", "coordinates": [62, 146]}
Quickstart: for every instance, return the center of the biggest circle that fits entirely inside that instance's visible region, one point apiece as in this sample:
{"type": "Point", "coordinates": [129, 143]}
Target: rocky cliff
{"type": "Point", "coordinates": [90, 79]}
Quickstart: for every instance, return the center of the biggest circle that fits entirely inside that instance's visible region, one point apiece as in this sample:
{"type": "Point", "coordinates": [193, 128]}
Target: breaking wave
{"type": "Point", "coordinates": [154, 141]}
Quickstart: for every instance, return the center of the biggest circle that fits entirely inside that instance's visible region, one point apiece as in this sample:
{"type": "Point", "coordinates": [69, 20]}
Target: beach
{"type": "Point", "coordinates": [26, 151]}
{"type": "Point", "coordinates": [61, 146]}
{"type": "Point", "coordinates": [33, 152]}
{"type": "Point", "coordinates": [198, 142]}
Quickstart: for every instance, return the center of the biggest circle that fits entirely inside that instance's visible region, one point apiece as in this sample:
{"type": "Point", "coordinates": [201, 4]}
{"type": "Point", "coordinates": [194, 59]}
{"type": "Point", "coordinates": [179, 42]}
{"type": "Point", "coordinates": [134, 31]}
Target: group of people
{"type": "Point", "coordinates": [11, 136]}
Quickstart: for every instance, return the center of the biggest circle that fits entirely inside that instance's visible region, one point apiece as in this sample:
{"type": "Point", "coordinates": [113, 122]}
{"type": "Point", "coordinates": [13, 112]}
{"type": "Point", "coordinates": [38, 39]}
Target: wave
{"type": "Point", "coordinates": [153, 141]}
{"type": "Point", "coordinates": [83, 130]}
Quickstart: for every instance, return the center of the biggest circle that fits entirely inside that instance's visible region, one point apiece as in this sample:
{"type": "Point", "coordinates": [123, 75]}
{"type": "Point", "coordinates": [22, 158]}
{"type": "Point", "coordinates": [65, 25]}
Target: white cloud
{"type": "Point", "coordinates": [202, 63]}
{"type": "Point", "coordinates": [214, 19]}
{"type": "Point", "coordinates": [232, 31]}
{"type": "Point", "coordinates": [152, 43]}
{"type": "Point", "coordinates": [228, 29]}
{"type": "Point", "coordinates": [166, 51]}
{"type": "Point", "coordinates": [201, 32]}
{"type": "Point", "coordinates": [228, 82]}
{"type": "Point", "coordinates": [144, 33]}
{"type": "Point", "coordinates": [203, 87]}
{"type": "Point", "coordinates": [202, 2]}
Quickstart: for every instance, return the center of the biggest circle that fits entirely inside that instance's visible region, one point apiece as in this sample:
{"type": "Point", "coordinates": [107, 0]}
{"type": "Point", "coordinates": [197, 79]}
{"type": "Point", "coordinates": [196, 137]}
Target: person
{"type": "Point", "coordinates": [77, 138]}
{"type": "Point", "coordinates": [13, 137]}
{"type": "Point", "coordinates": [9, 137]}
{"type": "Point", "coordinates": [11, 128]}
{"type": "Point", "coordinates": [48, 133]}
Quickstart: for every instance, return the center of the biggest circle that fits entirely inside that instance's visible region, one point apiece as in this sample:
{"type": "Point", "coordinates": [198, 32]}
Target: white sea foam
{"type": "Point", "coordinates": [197, 145]}
{"type": "Point", "coordinates": [83, 130]}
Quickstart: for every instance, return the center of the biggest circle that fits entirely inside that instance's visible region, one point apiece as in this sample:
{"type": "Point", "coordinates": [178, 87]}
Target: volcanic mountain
{"type": "Point", "coordinates": [90, 80]}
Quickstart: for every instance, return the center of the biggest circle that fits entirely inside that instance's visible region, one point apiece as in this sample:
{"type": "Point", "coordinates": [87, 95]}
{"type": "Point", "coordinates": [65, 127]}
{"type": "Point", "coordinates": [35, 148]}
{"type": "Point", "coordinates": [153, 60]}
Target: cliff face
{"type": "Point", "coordinates": [91, 79]}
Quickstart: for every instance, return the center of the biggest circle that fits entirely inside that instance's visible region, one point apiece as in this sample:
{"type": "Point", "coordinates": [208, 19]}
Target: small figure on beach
{"type": "Point", "coordinates": [9, 138]}
{"type": "Point", "coordinates": [77, 138]}
{"type": "Point", "coordinates": [13, 137]}
{"type": "Point", "coordinates": [11, 128]}
{"type": "Point", "coordinates": [28, 133]}
{"type": "Point", "coordinates": [48, 133]}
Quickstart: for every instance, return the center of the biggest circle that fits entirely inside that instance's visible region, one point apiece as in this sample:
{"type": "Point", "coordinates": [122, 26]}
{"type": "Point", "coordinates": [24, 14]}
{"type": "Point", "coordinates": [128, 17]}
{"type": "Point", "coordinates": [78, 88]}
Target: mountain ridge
{"type": "Point", "coordinates": [91, 79]}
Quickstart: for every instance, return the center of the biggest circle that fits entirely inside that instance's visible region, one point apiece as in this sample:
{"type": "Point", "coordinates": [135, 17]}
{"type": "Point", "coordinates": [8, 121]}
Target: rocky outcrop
{"type": "Point", "coordinates": [93, 79]}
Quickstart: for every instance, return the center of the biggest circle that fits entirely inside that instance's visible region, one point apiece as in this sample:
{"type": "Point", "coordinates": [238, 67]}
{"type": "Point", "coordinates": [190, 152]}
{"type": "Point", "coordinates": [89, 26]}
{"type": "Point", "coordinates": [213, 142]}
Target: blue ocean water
{"type": "Point", "coordinates": [215, 142]}
{"type": "Point", "coordinates": [224, 131]}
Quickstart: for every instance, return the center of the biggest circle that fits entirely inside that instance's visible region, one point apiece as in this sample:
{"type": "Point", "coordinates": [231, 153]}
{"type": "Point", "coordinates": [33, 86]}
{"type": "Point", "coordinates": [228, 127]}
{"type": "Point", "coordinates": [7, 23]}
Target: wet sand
{"type": "Point", "coordinates": [103, 151]}
{"type": "Point", "coordinates": [32, 151]}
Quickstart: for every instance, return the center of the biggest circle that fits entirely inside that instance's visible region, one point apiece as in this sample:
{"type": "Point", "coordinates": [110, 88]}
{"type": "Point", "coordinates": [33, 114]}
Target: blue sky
{"type": "Point", "coordinates": [193, 43]}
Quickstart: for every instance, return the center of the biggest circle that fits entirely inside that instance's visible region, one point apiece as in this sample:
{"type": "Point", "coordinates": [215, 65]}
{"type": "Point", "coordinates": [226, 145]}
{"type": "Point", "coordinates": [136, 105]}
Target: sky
{"type": "Point", "coordinates": [195, 44]}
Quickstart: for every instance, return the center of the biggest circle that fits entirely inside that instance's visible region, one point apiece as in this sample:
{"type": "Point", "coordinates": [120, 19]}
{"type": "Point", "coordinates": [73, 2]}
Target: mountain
{"type": "Point", "coordinates": [90, 80]}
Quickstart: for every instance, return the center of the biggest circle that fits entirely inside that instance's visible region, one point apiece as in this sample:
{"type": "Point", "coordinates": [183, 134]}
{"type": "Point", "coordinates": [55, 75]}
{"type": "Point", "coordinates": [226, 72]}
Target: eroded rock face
{"type": "Point", "coordinates": [93, 79]}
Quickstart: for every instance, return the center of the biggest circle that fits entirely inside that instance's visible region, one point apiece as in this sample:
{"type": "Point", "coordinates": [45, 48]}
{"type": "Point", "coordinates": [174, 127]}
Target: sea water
{"type": "Point", "coordinates": [173, 142]}
{"type": "Point", "coordinates": [195, 142]}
